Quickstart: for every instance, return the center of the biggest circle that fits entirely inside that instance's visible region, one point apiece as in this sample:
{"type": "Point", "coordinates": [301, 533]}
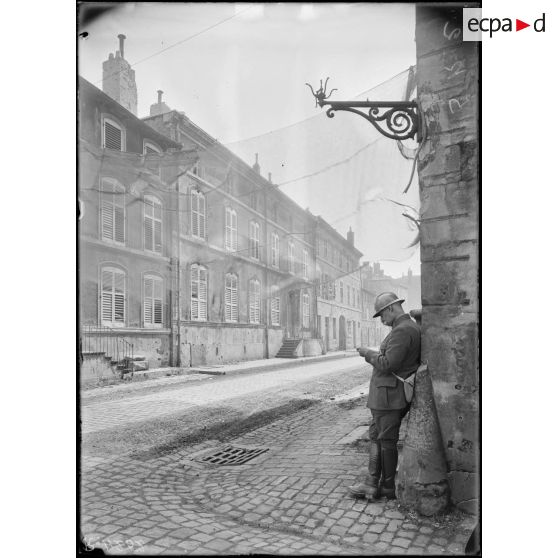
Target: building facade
{"type": "Point", "coordinates": [188, 256]}
{"type": "Point", "coordinates": [339, 288]}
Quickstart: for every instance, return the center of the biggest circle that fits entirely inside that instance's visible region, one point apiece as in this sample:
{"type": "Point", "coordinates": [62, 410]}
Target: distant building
{"type": "Point", "coordinates": [339, 292]}
{"type": "Point", "coordinates": [374, 282]}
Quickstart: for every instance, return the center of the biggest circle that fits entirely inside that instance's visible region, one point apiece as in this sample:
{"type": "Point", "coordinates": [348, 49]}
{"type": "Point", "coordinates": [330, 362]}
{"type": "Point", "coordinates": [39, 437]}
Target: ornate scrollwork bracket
{"type": "Point", "coordinates": [398, 120]}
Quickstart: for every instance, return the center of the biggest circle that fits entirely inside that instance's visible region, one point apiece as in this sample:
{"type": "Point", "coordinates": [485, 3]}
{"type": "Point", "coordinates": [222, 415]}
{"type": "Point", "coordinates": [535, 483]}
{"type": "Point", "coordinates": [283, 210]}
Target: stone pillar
{"type": "Point", "coordinates": [447, 87]}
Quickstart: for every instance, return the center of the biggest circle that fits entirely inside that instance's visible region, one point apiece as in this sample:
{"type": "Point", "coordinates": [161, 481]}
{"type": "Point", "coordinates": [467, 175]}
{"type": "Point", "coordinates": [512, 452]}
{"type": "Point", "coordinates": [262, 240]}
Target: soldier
{"type": "Point", "coordinates": [399, 354]}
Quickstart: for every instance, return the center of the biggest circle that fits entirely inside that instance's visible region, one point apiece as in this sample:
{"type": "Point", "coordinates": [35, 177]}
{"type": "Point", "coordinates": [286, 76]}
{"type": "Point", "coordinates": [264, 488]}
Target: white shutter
{"type": "Point", "coordinates": [234, 299]}
{"type": "Point", "coordinates": [107, 223]}
{"type": "Point", "coordinates": [148, 300]}
{"type": "Point", "coordinates": [228, 240]}
{"type": "Point", "coordinates": [113, 296]}
{"type": "Point", "coordinates": [158, 301]}
{"type": "Point", "coordinates": [255, 301]}
{"type": "Point", "coordinates": [118, 223]}
{"type": "Point", "coordinates": [106, 296]}
{"type": "Point", "coordinates": [203, 294]}
{"type": "Point", "coordinates": [231, 298]}
{"type": "Point", "coordinates": [275, 310]}
{"type": "Point", "coordinates": [234, 231]}
{"type": "Point", "coordinates": [194, 281]}
{"type": "Point", "coordinates": [194, 213]}
{"type": "Point", "coordinates": [201, 206]}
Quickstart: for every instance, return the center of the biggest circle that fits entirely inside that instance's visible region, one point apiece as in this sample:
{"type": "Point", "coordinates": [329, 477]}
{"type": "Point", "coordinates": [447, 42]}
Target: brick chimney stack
{"type": "Point", "coordinates": [256, 165]}
{"type": "Point", "coordinates": [351, 236]}
{"type": "Point", "coordinates": [159, 107]}
{"type": "Point", "coordinates": [119, 80]}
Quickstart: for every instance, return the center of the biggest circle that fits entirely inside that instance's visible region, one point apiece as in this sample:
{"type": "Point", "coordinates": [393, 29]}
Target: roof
{"type": "Point", "coordinates": [127, 117]}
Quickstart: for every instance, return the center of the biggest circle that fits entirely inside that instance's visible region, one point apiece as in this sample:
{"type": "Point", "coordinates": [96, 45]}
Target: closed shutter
{"type": "Point", "coordinates": [106, 296]}
{"type": "Point", "coordinates": [113, 296]}
{"type": "Point", "coordinates": [275, 310]}
{"type": "Point", "coordinates": [203, 294]}
{"type": "Point", "coordinates": [231, 298]}
{"type": "Point", "coordinates": [230, 230]}
{"type": "Point", "coordinates": [157, 232]}
{"type": "Point", "coordinates": [113, 137]}
{"type": "Point", "coordinates": [148, 300]}
{"type": "Point", "coordinates": [234, 231]}
{"type": "Point", "coordinates": [158, 301]}
{"type": "Point", "coordinates": [201, 207]}
{"type": "Point", "coordinates": [255, 302]}
{"type": "Point", "coordinates": [153, 215]}
{"type": "Point", "coordinates": [199, 293]}
{"type": "Point", "coordinates": [112, 211]}
{"type": "Point", "coordinates": [194, 213]}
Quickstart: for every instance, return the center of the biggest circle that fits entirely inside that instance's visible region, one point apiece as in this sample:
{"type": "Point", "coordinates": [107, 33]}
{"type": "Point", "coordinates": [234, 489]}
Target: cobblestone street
{"type": "Point", "coordinates": [292, 499]}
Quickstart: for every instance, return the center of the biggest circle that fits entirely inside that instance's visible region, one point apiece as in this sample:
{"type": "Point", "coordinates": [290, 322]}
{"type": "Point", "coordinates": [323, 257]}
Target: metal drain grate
{"type": "Point", "coordinates": [233, 456]}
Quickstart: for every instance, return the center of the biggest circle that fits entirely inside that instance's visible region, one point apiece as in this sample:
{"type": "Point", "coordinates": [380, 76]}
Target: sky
{"type": "Point", "coordinates": [239, 70]}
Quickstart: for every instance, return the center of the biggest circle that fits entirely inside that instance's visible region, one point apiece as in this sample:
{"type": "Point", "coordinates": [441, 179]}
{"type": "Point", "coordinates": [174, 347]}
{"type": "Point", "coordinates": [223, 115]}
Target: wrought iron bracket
{"type": "Point", "coordinates": [398, 120]}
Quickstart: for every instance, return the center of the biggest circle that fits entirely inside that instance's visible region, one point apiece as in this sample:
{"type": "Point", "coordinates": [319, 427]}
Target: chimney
{"type": "Point", "coordinates": [159, 107]}
{"type": "Point", "coordinates": [351, 236]}
{"type": "Point", "coordinates": [269, 177]}
{"type": "Point", "coordinates": [119, 80]}
{"type": "Point", "coordinates": [256, 165]}
{"type": "Point", "coordinates": [121, 44]}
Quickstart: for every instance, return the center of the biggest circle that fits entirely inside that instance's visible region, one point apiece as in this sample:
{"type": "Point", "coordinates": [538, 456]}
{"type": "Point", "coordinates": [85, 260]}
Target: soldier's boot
{"type": "Point", "coordinates": [389, 467]}
{"type": "Point", "coordinates": [369, 487]}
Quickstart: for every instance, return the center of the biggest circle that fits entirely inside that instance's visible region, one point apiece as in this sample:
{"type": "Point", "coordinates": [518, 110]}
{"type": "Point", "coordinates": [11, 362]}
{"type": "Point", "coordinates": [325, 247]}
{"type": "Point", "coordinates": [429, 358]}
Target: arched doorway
{"type": "Point", "coordinates": [342, 336]}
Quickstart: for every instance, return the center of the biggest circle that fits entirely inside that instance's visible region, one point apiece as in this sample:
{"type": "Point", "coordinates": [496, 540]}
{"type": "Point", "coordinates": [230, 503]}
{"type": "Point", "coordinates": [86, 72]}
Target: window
{"type": "Point", "coordinates": [290, 257]}
{"type": "Point", "coordinates": [341, 291]}
{"type": "Point", "coordinates": [327, 326]}
{"type": "Point", "coordinates": [349, 328]}
{"type": "Point", "coordinates": [305, 264]}
{"type": "Point", "coordinates": [198, 286]}
{"type": "Point", "coordinates": [152, 301]}
{"type": "Point", "coordinates": [231, 297]}
{"type": "Point", "coordinates": [319, 326]}
{"type": "Point", "coordinates": [113, 203]}
{"type": "Point", "coordinates": [198, 214]}
{"type": "Point", "coordinates": [334, 328]}
{"type": "Point", "coordinates": [305, 310]}
{"type": "Point", "coordinates": [113, 296]}
{"type": "Point", "coordinates": [153, 221]}
{"type": "Point", "coordinates": [275, 250]}
{"type": "Point", "coordinates": [150, 147]}
{"type": "Point", "coordinates": [113, 135]}
{"type": "Point", "coordinates": [254, 240]}
{"type": "Point", "coordinates": [275, 307]}
{"type": "Point", "coordinates": [231, 230]}
{"type": "Point", "coordinates": [325, 249]}
{"type": "Point", "coordinates": [254, 301]}
{"type": "Point", "coordinates": [198, 170]}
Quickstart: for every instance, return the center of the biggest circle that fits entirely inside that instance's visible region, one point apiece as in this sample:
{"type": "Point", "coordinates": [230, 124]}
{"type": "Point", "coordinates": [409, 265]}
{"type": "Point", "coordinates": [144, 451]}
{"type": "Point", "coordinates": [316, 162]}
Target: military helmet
{"type": "Point", "coordinates": [383, 300]}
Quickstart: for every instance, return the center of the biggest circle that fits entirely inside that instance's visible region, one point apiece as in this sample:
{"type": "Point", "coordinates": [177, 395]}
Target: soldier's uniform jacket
{"type": "Point", "coordinates": [399, 353]}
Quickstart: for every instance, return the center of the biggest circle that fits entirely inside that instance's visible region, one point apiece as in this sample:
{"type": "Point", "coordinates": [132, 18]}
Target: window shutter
{"type": "Point", "coordinates": [275, 310]}
{"type": "Point", "coordinates": [148, 300]}
{"type": "Point", "coordinates": [119, 297]}
{"type": "Point", "coordinates": [234, 231]}
{"type": "Point", "coordinates": [194, 280]}
{"type": "Point", "coordinates": [234, 299]}
{"type": "Point", "coordinates": [203, 294]}
{"type": "Point", "coordinates": [118, 223]}
{"type": "Point", "coordinates": [107, 218]}
{"type": "Point", "coordinates": [158, 301]}
{"type": "Point", "coordinates": [201, 206]}
{"type": "Point", "coordinates": [194, 198]}
{"type": "Point", "coordinates": [106, 296]}
{"type": "Point", "coordinates": [113, 137]}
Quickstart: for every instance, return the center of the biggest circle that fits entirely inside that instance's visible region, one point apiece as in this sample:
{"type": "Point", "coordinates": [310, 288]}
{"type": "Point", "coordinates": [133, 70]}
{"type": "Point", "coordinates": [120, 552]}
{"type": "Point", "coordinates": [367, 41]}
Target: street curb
{"type": "Point", "coordinates": [295, 362]}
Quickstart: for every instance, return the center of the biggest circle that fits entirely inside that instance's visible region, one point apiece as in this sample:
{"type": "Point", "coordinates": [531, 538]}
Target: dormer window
{"type": "Point", "coordinates": [150, 147]}
{"type": "Point", "coordinates": [114, 135]}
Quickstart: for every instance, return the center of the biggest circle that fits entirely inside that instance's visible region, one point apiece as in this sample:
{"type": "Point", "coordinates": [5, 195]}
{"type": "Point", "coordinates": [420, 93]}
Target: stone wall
{"type": "Point", "coordinates": [218, 343]}
{"type": "Point", "coordinates": [447, 74]}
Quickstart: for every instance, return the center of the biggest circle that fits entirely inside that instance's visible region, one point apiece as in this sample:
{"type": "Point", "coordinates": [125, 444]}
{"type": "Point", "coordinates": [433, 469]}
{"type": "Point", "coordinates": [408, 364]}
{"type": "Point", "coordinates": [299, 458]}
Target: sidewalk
{"type": "Point", "coordinates": [173, 375]}
{"type": "Point", "coordinates": [291, 499]}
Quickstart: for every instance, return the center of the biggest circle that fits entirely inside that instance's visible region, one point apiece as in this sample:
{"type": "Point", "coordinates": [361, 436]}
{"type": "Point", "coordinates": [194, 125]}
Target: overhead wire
{"type": "Point", "coordinates": [182, 41]}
